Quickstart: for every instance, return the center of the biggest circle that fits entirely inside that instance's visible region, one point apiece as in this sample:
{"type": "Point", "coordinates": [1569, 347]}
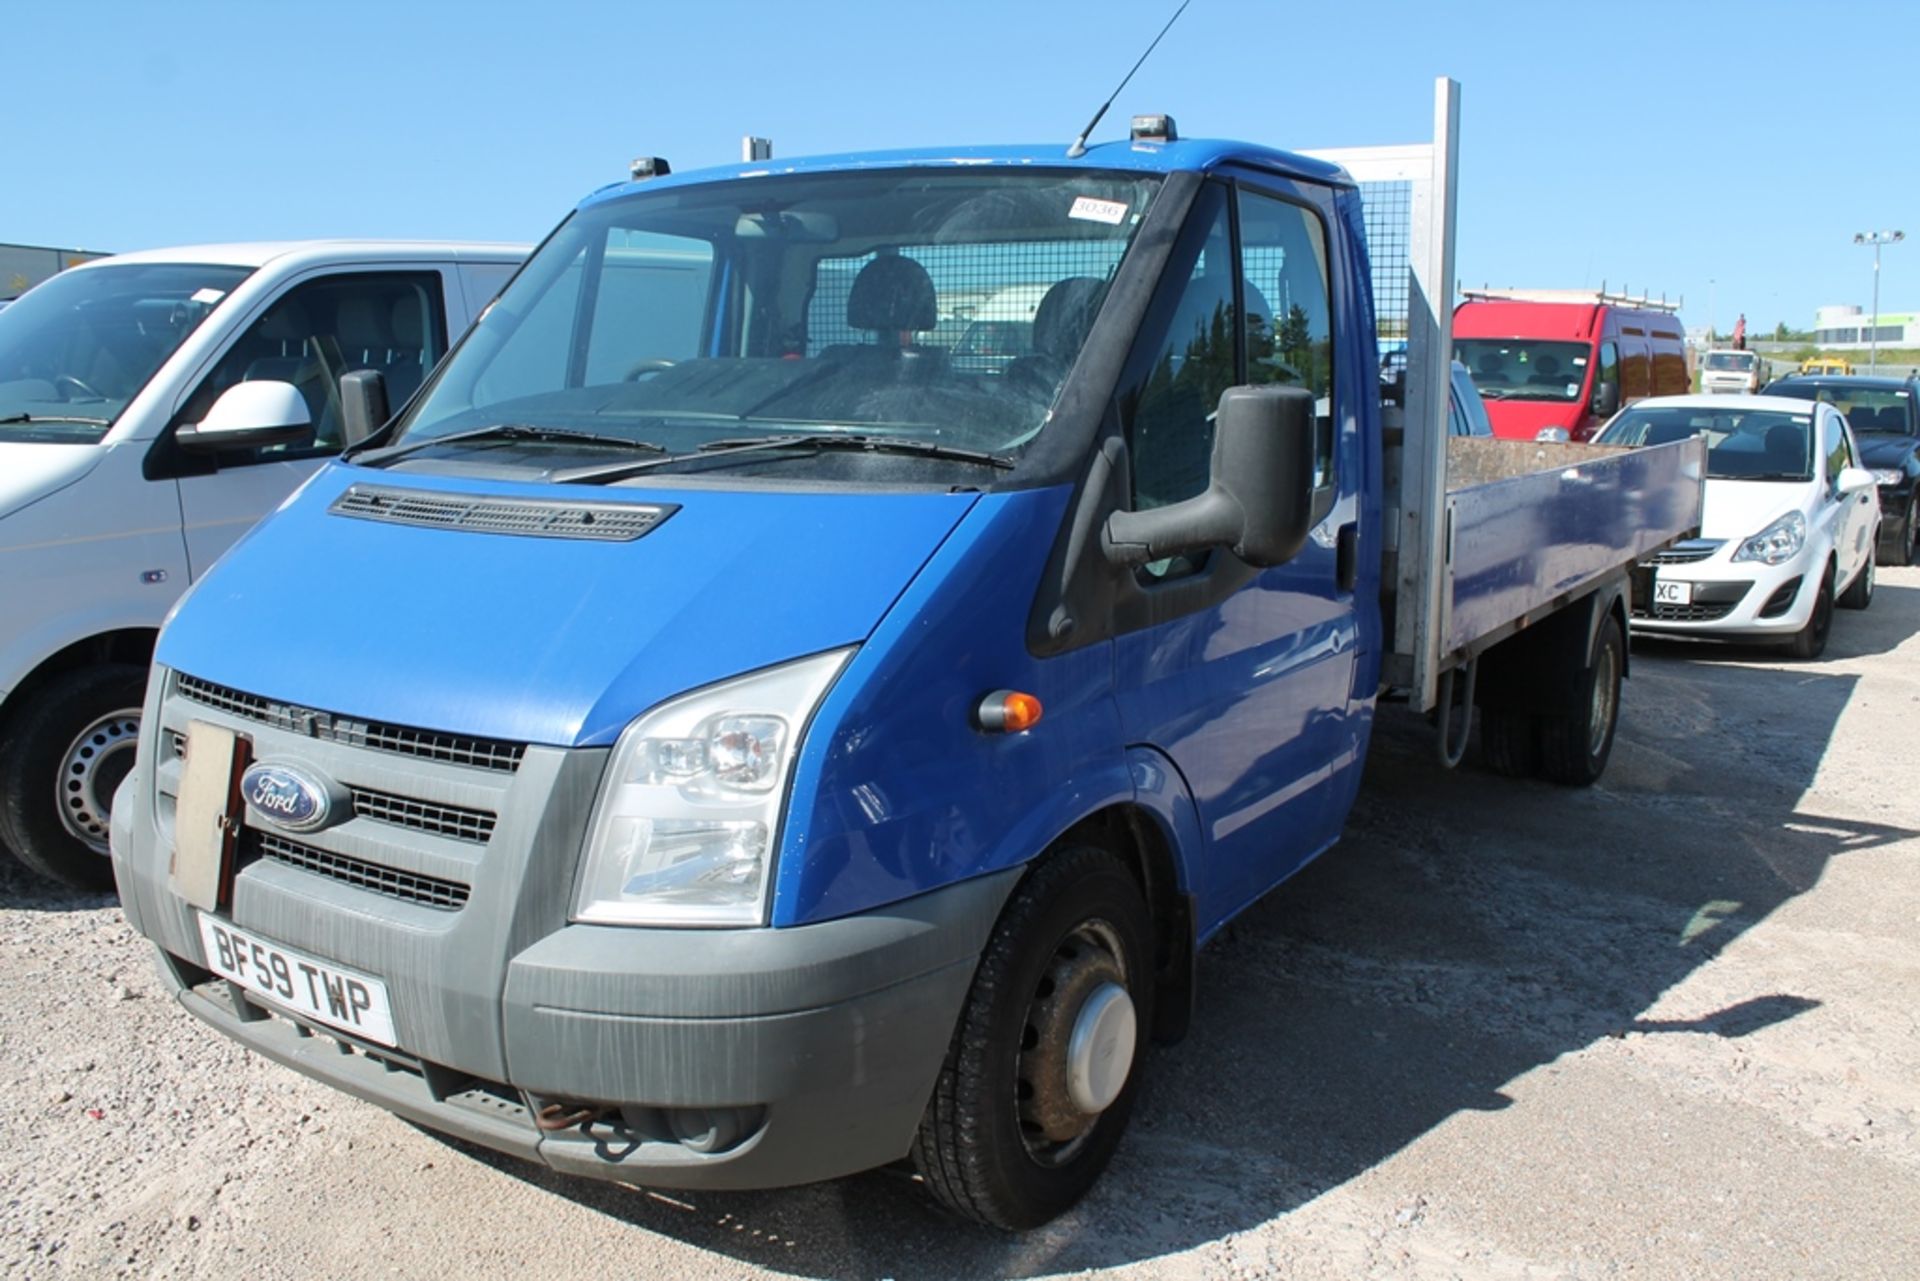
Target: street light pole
{"type": "Point", "coordinates": [1876, 239]}
{"type": "Point", "coordinates": [1710, 285]}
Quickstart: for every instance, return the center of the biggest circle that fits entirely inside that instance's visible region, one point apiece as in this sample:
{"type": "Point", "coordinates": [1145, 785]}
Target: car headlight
{"type": "Point", "coordinates": [1779, 541]}
{"type": "Point", "coordinates": [683, 830]}
{"type": "Point", "coordinates": [1887, 476]}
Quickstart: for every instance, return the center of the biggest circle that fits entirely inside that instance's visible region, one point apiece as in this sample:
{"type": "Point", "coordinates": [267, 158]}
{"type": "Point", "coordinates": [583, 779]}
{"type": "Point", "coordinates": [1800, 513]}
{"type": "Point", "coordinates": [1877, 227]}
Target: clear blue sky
{"type": "Point", "coordinates": [1656, 145]}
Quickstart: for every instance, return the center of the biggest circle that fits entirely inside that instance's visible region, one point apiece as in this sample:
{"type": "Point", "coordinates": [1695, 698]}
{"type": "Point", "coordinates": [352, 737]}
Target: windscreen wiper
{"type": "Point", "coordinates": [793, 440]}
{"type": "Point", "coordinates": [11, 420]}
{"type": "Point", "coordinates": [504, 432]}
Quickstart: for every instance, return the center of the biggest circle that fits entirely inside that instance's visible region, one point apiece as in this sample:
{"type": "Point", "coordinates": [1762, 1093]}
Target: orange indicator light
{"type": "Point", "coordinates": [1007, 711]}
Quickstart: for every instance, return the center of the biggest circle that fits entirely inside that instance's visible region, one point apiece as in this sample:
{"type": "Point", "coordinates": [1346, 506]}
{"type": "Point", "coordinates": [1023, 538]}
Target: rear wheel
{"type": "Point", "coordinates": [61, 757]}
{"type": "Point", "coordinates": [1811, 641]}
{"type": "Point", "coordinates": [1044, 1064]}
{"type": "Point", "coordinates": [1507, 744]}
{"type": "Point", "coordinates": [1575, 744]}
{"type": "Point", "coordinates": [1910, 534]}
{"type": "Point", "coordinates": [1859, 593]}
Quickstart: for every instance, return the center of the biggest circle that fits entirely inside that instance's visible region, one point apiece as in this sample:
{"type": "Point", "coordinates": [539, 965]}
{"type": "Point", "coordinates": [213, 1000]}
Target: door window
{"type": "Point", "coordinates": [1196, 345]}
{"type": "Point", "coordinates": [1839, 454]}
{"type": "Point", "coordinates": [1289, 321]}
{"type": "Point", "coordinates": [391, 322]}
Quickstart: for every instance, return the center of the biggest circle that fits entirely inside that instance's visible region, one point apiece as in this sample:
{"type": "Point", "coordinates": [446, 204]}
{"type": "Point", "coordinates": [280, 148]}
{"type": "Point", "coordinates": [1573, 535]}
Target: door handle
{"type": "Point", "coordinates": [1346, 556]}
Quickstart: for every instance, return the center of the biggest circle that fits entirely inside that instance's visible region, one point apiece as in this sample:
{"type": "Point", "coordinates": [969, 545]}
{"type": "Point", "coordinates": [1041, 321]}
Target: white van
{"type": "Point", "coordinates": [153, 406]}
{"type": "Point", "coordinates": [1742, 372]}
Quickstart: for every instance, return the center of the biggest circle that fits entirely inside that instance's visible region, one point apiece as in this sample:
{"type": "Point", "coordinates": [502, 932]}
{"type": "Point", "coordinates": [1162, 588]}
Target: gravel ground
{"type": "Point", "coordinates": [1663, 1028]}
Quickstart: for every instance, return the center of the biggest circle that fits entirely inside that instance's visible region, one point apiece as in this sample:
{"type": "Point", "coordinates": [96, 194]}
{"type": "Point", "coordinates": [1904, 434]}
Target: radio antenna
{"type": "Point", "coordinates": [1079, 147]}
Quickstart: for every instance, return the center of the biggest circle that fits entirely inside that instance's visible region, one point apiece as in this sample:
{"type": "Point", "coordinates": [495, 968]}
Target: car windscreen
{"type": "Point", "coordinates": [1876, 409]}
{"type": "Point", "coordinates": [77, 348]}
{"type": "Point", "coordinates": [1742, 444]}
{"type": "Point", "coordinates": [693, 315]}
{"type": "Point", "coordinates": [1522, 369]}
{"type": "Point", "coordinates": [1740, 361]}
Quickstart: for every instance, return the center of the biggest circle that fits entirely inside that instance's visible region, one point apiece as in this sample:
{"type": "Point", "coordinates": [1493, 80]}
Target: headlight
{"type": "Point", "coordinates": [1779, 541]}
{"type": "Point", "coordinates": [1553, 435]}
{"type": "Point", "coordinates": [1887, 476]}
{"type": "Point", "coordinates": [683, 831]}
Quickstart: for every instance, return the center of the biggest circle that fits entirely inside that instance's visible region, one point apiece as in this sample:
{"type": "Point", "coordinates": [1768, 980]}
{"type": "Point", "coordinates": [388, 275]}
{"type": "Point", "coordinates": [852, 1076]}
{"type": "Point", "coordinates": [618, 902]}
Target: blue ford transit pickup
{"type": "Point", "coordinates": [714, 738]}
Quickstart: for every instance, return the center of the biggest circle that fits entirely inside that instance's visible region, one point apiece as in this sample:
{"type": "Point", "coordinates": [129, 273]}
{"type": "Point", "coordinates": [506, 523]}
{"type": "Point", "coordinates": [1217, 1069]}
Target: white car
{"type": "Point", "coordinates": [153, 406]}
{"type": "Point", "coordinates": [1740, 372]}
{"type": "Point", "coordinates": [1788, 529]}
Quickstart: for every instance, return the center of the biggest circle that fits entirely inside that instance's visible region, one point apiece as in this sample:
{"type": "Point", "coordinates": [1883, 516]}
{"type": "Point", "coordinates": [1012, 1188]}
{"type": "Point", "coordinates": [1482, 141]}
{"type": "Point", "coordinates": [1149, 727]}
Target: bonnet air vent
{"type": "Point", "coordinates": [595, 522]}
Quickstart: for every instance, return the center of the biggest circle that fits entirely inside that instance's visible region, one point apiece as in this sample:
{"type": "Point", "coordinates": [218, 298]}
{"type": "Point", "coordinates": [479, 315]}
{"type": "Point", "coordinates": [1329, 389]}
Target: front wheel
{"type": "Point", "coordinates": [1044, 1064]}
{"type": "Point", "coordinates": [61, 757]}
{"type": "Point", "coordinates": [1909, 552]}
{"type": "Point", "coordinates": [1859, 593]}
{"type": "Point", "coordinates": [1811, 641]}
{"type": "Point", "coordinates": [1575, 744]}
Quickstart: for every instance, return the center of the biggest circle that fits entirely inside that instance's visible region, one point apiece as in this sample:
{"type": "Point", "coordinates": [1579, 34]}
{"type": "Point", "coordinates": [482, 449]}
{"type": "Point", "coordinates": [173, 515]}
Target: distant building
{"type": "Point", "coordinates": [1853, 327]}
{"type": "Point", "coordinates": [24, 266]}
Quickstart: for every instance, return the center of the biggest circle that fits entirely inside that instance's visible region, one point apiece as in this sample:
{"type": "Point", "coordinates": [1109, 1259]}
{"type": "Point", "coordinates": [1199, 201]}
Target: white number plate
{"type": "Point", "coordinates": [321, 990]}
{"type": "Point", "coordinates": [1668, 591]}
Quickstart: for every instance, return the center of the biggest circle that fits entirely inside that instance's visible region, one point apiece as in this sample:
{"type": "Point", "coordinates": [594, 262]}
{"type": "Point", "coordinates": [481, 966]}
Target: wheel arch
{"type": "Point", "coordinates": [132, 645]}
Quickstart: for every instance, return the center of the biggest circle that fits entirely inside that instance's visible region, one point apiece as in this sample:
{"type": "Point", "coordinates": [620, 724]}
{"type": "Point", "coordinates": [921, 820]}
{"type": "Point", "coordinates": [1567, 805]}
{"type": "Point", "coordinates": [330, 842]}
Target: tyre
{"type": "Point", "coordinates": [61, 755]}
{"type": "Point", "coordinates": [1910, 534]}
{"type": "Point", "coordinates": [1859, 593]}
{"type": "Point", "coordinates": [1045, 1060]}
{"type": "Point", "coordinates": [1811, 641]}
{"type": "Point", "coordinates": [1574, 745]}
{"type": "Point", "coordinates": [1507, 744]}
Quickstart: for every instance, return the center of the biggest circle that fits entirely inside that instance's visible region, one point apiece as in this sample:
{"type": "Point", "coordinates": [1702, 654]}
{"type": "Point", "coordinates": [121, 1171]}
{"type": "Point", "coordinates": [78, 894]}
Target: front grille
{"type": "Point", "coordinates": [595, 521]}
{"type": "Point", "coordinates": [460, 823]}
{"type": "Point", "coordinates": [1686, 553]}
{"type": "Point", "coordinates": [457, 749]}
{"type": "Point", "coordinates": [410, 887]}
{"type": "Point", "coordinates": [1698, 612]}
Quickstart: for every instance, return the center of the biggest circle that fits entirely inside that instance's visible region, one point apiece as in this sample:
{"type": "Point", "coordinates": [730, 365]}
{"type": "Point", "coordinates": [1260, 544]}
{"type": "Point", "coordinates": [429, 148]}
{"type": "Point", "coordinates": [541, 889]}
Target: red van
{"type": "Point", "coordinates": [1566, 358]}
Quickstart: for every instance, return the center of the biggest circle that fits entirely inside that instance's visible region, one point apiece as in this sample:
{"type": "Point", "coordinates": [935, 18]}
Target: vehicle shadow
{"type": "Point", "coordinates": [1468, 930]}
{"type": "Point", "coordinates": [30, 892]}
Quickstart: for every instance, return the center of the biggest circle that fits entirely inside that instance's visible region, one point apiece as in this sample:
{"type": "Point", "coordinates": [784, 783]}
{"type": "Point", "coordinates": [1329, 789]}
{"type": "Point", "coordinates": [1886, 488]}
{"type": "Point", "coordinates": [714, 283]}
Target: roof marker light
{"type": "Point", "coordinates": [1155, 129]}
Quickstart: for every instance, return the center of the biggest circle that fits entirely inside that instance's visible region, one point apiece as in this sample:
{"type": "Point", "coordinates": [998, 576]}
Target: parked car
{"type": "Point", "coordinates": [1743, 372]}
{"type": "Point", "coordinates": [1826, 365]}
{"type": "Point", "coordinates": [1788, 529]}
{"type": "Point", "coordinates": [1885, 416]}
{"type": "Point", "coordinates": [1553, 361]}
{"type": "Point", "coordinates": [153, 406]}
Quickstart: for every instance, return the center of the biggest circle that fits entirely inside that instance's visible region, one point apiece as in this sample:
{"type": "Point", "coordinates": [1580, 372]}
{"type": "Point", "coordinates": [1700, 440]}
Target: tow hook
{"type": "Point", "coordinates": [555, 1117]}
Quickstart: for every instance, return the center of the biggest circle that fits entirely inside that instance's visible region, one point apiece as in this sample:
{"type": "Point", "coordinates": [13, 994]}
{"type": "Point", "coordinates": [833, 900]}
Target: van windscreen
{"type": "Point", "coordinates": [1523, 369]}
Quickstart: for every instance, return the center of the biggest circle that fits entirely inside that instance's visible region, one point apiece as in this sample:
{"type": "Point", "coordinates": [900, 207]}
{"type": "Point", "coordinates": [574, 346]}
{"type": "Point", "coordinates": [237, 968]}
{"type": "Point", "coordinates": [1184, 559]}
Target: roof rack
{"type": "Point", "coordinates": [1600, 295]}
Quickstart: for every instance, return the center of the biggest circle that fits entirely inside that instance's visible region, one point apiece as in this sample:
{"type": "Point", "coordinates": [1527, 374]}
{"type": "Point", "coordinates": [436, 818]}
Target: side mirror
{"type": "Point", "coordinates": [248, 416]}
{"type": "Point", "coordinates": [363, 405]}
{"type": "Point", "coordinates": [1854, 479]}
{"type": "Point", "coordinates": [1606, 399]}
{"type": "Point", "coordinates": [1259, 498]}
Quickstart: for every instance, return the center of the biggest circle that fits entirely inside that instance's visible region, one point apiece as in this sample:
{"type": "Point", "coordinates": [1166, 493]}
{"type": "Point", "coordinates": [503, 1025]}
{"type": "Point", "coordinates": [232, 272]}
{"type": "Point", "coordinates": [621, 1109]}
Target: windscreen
{"type": "Point", "coordinates": [1888, 410]}
{"type": "Point", "coordinates": [1521, 369]}
{"type": "Point", "coordinates": [942, 307]}
{"type": "Point", "coordinates": [1742, 444]}
{"type": "Point", "coordinates": [1738, 361]}
{"type": "Point", "coordinates": [77, 348]}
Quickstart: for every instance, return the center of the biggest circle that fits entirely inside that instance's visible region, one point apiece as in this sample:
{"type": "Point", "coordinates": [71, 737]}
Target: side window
{"type": "Point", "coordinates": [1838, 455]}
{"type": "Point", "coordinates": [1174, 392]}
{"type": "Point", "coordinates": [1609, 371]}
{"type": "Point", "coordinates": [1289, 321]}
{"type": "Point", "coordinates": [393, 322]}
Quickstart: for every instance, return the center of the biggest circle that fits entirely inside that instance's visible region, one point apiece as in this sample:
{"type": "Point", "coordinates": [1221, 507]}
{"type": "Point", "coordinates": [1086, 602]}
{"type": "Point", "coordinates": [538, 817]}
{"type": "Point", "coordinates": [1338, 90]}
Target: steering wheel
{"type": "Point", "coordinates": [68, 381]}
{"type": "Point", "coordinates": [648, 365]}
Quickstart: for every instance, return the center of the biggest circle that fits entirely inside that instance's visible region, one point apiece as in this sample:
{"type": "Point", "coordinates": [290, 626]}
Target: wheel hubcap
{"type": "Point", "coordinates": [1077, 1045]}
{"type": "Point", "coordinates": [1605, 690]}
{"type": "Point", "coordinates": [94, 764]}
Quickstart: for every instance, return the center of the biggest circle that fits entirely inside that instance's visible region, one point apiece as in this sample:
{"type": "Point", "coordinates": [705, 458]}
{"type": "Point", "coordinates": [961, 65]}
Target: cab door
{"type": "Point", "coordinates": [390, 319]}
{"type": "Point", "coordinates": [1244, 678]}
